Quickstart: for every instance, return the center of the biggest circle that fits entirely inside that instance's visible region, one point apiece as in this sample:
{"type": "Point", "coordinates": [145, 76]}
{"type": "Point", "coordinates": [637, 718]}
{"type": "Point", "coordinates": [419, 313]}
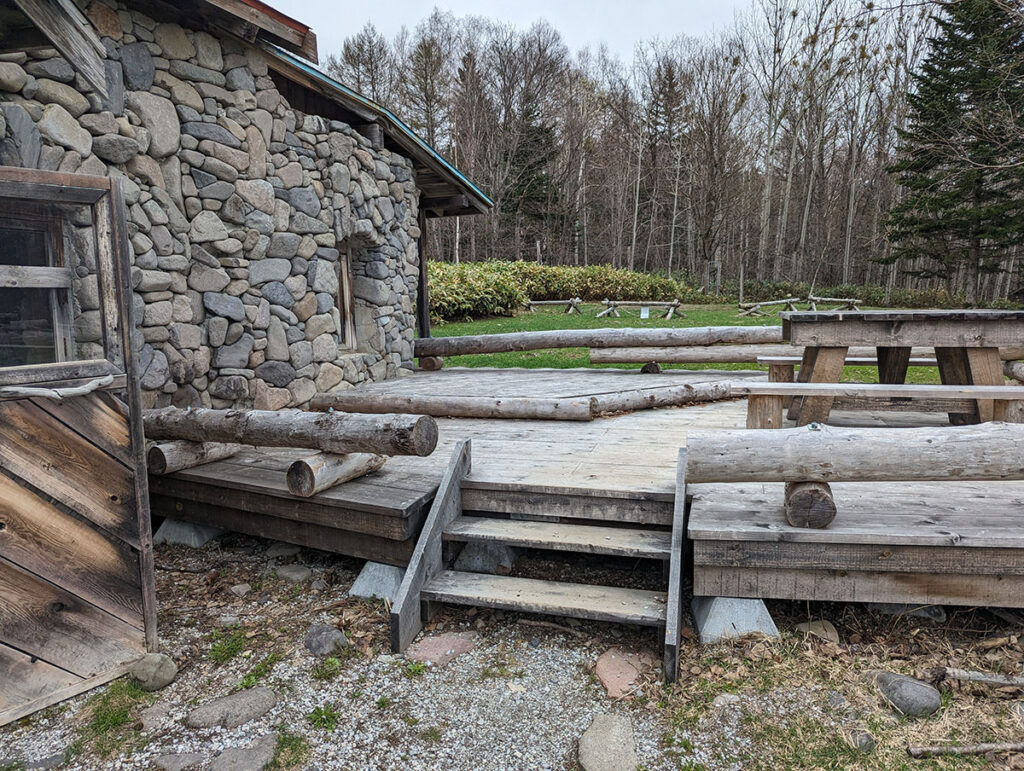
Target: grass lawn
{"type": "Point", "coordinates": [696, 316]}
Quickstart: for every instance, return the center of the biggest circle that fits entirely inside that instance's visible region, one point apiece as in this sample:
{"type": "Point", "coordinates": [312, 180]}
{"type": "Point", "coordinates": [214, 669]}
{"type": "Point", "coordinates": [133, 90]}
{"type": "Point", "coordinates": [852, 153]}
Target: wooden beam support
{"type": "Point", "coordinates": [71, 34]}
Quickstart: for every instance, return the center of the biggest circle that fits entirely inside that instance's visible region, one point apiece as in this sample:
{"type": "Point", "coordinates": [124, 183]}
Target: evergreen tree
{"type": "Point", "coordinates": [961, 159]}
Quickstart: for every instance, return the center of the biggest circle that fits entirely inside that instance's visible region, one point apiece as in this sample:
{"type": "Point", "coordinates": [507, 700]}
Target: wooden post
{"type": "Point", "coordinates": [986, 369]}
{"type": "Point", "coordinates": [828, 368]}
{"type": "Point", "coordinates": [314, 474]}
{"type": "Point", "coordinates": [809, 504]}
{"type": "Point", "coordinates": [423, 285]}
{"type": "Point", "coordinates": [892, 364]}
{"type": "Point", "coordinates": [329, 432]}
{"type": "Point", "coordinates": [764, 411]}
{"type": "Point", "coordinates": [168, 457]}
{"type": "Point", "coordinates": [676, 570]}
{"type": "Point", "coordinates": [955, 370]}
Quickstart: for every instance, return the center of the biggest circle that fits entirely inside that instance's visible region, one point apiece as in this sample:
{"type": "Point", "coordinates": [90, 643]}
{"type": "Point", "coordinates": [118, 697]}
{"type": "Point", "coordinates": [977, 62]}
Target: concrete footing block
{"type": "Point", "coordinates": [185, 533]}
{"type": "Point", "coordinates": [378, 581]}
{"type": "Point", "coordinates": [486, 557]}
{"type": "Point", "coordinates": [718, 618]}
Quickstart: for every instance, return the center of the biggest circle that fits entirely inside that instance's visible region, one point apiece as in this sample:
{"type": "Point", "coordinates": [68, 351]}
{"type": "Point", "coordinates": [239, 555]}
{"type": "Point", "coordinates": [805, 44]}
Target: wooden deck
{"type": "Point", "coordinates": [956, 543]}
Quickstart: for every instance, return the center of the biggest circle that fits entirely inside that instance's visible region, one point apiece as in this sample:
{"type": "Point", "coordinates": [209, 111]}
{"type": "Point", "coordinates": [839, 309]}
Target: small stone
{"type": "Point", "coordinates": [280, 550]}
{"type": "Point", "coordinates": [618, 670]}
{"type": "Point", "coordinates": [206, 227]}
{"type": "Point", "coordinates": [233, 710]}
{"type": "Point", "coordinates": [160, 118]}
{"type": "Point", "coordinates": [55, 69]}
{"type": "Point", "coordinates": [185, 533]}
{"type": "Point", "coordinates": [439, 649]}
{"type": "Point", "coordinates": [224, 305]}
{"type": "Point", "coordinates": [203, 278]}
{"type": "Point", "coordinates": [324, 640]}
{"type": "Point", "coordinates": [608, 745]}
{"type": "Point", "coordinates": [211, 132]}
{"type": "Point", "coordinates": [60, 127]}
{"type": "Point", "coordinates": [12, 77]}
{"type": "Point", "coordinates": [235, 355]}
{"type": "Point", "coordinates": [294, 574]}
{"type": "Point", "coordinates": [724, 701]}
{"type": "Point", "coordinates": [819, 628]}
{"type": "Point", "coordinates": [256, 756]}
{"type": "Point", "coordinates": [53, 92]}
{"type": "Point", "coordinates": [183, 761]}
{"type": "Point", "coordinates": [138, 65]}
{"type": "Point", "coordinates": [173, 41]}
{"type": "Point", "coordinates": [154, 671]}
{"type": "Point", "coordinates": [859, 739]}
{"type": "Point", "coordinates": [907, 695]}
{"type": "Point", "coordinates": [935, 613]}
{"type": "Point", "coordinates": [115, 148]}
{"type": "Point", "coordinates": [240, 590]}
{"type": "Point", "coordinates": [153, 718]}
{"type": "Point", "coordinates": [257, 192]}
{"type": "Point", "coordinates": [269, 269]}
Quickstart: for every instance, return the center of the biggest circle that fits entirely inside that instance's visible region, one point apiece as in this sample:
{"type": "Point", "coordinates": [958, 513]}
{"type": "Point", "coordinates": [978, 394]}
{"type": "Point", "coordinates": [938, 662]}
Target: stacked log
{"type": "Point", "coordinates": [312, 475]}
{"type": "Point", "coordinates": [168, 457]}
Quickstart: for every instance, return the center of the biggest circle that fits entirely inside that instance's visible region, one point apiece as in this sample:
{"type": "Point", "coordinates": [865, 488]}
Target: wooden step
{"type": "Point", "coordinates": [586, 539]}
{"type": "Point", "coordinates": [556, 598]}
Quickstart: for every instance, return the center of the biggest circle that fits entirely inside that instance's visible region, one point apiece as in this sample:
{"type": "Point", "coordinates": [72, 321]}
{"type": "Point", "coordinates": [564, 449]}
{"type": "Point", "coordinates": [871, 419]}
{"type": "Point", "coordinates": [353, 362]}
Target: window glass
{"type": "Point", "coordinates": [27, 327]}
{"type": "Point", "coordinates": [26, 247]}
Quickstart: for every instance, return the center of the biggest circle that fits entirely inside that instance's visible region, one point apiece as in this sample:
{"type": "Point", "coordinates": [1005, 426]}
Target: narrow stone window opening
{"type": "Point", "coordinates": [35, 287]}
{"type": "Point", "coordinates": [346, 308]}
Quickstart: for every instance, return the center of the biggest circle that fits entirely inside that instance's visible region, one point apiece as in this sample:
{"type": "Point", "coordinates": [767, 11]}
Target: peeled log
{"type": "Point", "coordinates": [523, 408]}
{"type": "Point", "coordinates": [319, 472]}
{"type": "Point", "coordinates": [335, 432]}
{"type": "Point", "coordinates": [592, 338]}
{"type": "Point", "coordinates": [168, 457]}
{"type": "Point", "coordinates": [987, 451]}
{"type": "Point", "coordinates": [665, 396]}
{"type": "Point", "coordinates": [809, 504]}
{"type": "Point", "coordinates": [431, 363]}
{"type": "Point", "coordinates": [710, 354]}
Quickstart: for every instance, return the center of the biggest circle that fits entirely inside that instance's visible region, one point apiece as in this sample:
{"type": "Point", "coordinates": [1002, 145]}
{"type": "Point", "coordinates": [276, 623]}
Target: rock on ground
{"type": "Point", "coordinates": [154, 671]}
{"type": "Point", "coordinates": [907, 695]}
{"type": "Point", "coordinates": [255, 757]}
{"type": "Point", "coordinates": [608, 745]}
{"type": "Point", "coordinates": [377, 580]}
{"type": "Point", "coordinates": [185, 533]}
{"type": "Point", "coordinates": [439, 649]}
{"type": "Point", "coordinates": [294, 574]}
{"type": "Point", "coordinates": [178, 762]}
{"type": "Point", "coordinates": [618, 670]}
{"type": "Point", "coordinates": [718, 618]}
{"type": "Point", "coordinates": [325, 640]}
{"type": "Point", "coordinates": [935, 613]}
{"type": "Point", "coordinates": [233, 710]}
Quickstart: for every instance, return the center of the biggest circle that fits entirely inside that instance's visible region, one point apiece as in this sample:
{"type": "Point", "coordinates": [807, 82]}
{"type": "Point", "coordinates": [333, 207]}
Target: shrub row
{"type": "Point", "coordinates": [473, 290]}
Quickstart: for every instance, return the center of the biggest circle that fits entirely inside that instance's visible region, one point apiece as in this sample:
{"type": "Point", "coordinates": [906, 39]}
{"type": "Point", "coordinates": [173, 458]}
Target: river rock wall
{"type": "Point", "coordinates": [242, 214]}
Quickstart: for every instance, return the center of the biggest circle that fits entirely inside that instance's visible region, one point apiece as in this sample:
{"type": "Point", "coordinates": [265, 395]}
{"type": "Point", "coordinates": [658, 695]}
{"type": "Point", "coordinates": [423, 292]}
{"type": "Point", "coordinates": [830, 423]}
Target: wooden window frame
{"type": "Point", "coordinates": [20, 186]}
{"type": "Point", "coordinates": [345, 302]}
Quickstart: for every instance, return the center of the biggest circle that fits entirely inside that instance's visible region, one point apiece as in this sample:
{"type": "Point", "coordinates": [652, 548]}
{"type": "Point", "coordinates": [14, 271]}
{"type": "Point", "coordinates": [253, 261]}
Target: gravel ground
{"type": "Point", "coordinates": [520, 699]}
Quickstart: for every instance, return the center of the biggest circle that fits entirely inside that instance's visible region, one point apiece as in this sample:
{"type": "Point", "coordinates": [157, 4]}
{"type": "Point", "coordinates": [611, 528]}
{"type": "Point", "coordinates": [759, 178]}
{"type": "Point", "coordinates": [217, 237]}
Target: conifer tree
{"type": "Point", "coordinates": [961, 159]}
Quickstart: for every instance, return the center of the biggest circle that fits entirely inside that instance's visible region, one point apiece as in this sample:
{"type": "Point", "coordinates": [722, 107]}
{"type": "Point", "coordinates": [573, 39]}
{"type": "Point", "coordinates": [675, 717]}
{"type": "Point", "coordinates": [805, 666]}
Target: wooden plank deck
{"type": "Point", "coordinates": [889, 540]}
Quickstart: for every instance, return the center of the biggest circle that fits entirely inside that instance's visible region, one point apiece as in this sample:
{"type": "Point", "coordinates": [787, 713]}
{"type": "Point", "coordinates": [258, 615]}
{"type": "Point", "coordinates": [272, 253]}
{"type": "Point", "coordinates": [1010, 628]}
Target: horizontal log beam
{"type": "Point", "coordinates": [988, 451]}
{"type": "Point", "coordinates": [879, 390]}
{"type": "Point", "coordinates": [523, 408]}
{"type": "Point", "coordinates": [593, 338]}
{"type": "Point", "coordinates": [312, 475]}
{"type": "Point", "coordinates": [664, 396]}
{"type": "Point", "coordinates": [168, 457]}
{"type": "Point", "coordinates": [335, 432]}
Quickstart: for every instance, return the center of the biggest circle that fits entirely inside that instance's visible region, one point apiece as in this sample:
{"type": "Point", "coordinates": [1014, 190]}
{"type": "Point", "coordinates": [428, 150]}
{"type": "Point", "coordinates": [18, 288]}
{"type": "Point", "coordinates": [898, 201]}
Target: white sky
{"type": "Point", "coordinates": [619, 23]}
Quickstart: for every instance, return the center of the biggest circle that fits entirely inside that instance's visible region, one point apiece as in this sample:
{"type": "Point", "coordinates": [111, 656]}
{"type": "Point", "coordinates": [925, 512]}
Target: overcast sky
{"type": "Point", "coordinates": [619, 23]}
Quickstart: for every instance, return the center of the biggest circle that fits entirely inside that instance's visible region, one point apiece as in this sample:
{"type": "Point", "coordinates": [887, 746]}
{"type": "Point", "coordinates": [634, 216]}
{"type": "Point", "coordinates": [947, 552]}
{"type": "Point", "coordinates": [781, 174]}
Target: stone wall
{"type": "Point", "coordinates": [241, 212]}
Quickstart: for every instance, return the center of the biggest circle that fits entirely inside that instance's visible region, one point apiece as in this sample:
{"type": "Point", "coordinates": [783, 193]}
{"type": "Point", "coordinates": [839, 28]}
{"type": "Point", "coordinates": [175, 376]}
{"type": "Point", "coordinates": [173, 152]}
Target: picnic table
{"type": "Point", "coordinates": [966, 344]}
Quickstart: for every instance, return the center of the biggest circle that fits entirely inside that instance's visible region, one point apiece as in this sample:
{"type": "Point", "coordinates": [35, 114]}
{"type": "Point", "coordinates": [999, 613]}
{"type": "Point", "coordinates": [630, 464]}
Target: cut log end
{"type": "Point", "coordinates": [168, 457]}
{"type": "Point", "coordinates": [809, 504]}
{"type": "Point", "coordinates": [651, 368]}
{"type": "Point", "coordinates": [309, 476]}
{"type": "Point", "coordinates": [431, 363]}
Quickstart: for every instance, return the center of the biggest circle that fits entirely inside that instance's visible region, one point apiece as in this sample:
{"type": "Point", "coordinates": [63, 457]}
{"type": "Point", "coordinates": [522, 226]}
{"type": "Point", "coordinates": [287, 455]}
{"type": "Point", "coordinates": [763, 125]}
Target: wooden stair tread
{"type": "Point", "coordinates": [556, 598]}
{"type": "Point", "coordinates": [586, 539]}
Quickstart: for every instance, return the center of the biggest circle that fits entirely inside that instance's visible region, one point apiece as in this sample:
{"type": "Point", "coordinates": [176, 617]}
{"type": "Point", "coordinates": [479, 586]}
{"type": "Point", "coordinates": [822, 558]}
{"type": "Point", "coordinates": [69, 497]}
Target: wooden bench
{"type": "Point", "coordinates": [782, 369]}
{"type": "Point", "coordinates": [572, 305]}
{"type": "Point", "coordinates": [766, 400]}
{"type": "Point", "coordinates": [925, 515]}
{"type": "Point", "coordinates": [612, 307]}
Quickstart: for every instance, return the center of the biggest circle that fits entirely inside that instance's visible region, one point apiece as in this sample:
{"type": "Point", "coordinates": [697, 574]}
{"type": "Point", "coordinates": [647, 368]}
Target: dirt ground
{"type": "Point", "coordinates": [526, 691]}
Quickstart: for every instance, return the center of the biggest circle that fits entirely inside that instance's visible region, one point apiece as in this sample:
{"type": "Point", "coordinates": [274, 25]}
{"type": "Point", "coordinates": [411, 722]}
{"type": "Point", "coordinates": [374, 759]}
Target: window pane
{"type": "Point", "coordinates": [26, 327]}
{"type": "Point", "coordinates": [26, 248]}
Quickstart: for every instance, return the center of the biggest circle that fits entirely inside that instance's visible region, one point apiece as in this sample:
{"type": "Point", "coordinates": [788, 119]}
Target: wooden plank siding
{"type": "Point", "coordinates": [77, 599]}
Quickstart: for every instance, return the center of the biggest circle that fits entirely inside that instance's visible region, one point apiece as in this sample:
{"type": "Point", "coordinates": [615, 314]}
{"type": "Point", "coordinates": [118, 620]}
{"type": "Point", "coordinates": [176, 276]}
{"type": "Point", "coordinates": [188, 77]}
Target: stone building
{"type": "Point", "coordinates": [275, 216]}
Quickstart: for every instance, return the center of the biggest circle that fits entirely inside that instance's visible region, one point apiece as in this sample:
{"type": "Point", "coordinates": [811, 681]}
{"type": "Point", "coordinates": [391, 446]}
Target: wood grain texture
{"type": "Point", "coordinates": [66, 551]}
{"type": "Point", "coordinates": [583, 539]}
{"type": "Point", "coordinates": [66, 466]}
{"type": "Point", "coordinates": [97, 419]}
{"type": "Point", "coordinates": [169, 457]}
{"type": "Point", "coordinates": [557, 598]}
{"type": "Point", "coordinates": [312, 475]}
{"type": "Point", "coordinates": [49, 623]}
{"type": "Point", "coordinates": [26, 679]}
{"type": "Point", "coordinates": [426, 561]}
{"type": "Point", "coordinates": [675, 573]}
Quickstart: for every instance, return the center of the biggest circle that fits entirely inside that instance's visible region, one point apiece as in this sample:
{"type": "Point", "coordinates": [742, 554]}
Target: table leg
{"type": "Point", "coordinates": [828, 368]}
{"type": "Point", "coordinates": [803, 376]}
{"type": "Point", "coordinates": [986, 369]}
{"type": "Point", "coordinates": [892, 364]}
{"type": "Point", "coordinates": [955, 370]}
{"type": "Point", "coordinates": [780, 373]}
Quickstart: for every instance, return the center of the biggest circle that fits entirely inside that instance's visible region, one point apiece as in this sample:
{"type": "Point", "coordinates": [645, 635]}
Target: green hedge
{"type": "Point", "coordinates": [473, 290]}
